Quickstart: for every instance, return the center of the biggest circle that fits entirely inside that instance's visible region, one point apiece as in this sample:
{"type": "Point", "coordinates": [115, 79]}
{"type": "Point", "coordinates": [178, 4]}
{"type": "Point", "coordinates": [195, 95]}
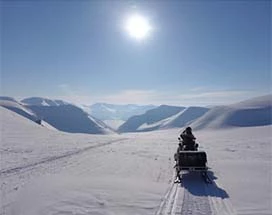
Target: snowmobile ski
{"type": "Point", "coordinates": [177, 181]}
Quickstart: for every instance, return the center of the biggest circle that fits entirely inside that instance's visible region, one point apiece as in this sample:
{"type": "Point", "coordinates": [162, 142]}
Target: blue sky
{"type": "Point", "coordinates": [198, 52]}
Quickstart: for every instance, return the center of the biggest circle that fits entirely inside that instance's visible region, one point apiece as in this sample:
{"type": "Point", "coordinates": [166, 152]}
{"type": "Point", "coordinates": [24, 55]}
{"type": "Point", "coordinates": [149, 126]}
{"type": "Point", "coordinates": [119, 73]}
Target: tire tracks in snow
{"type": "Point", "coordinates": [55, 158]}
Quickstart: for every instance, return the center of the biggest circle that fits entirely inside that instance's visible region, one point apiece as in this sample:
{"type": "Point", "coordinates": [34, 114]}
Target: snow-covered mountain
{"type": "Point", "coordinates": [19, 108]}
{"type": "Point", "coordinates": [150, 120]}
{"type": "Point", "coordinates": [70, 118]}
{"type": "Point", "coordinates": [12, 104]}
{"type": "Point", "coordinates": [184, 117]}
{"type": "Point", "coordinates": [105, 111]}
{"type": "Point", "coordinates": [252, 112]}
{"type": "Point", "coordinates": [38, 101]}
{"type": "Point", "coordinates": [66, 117]}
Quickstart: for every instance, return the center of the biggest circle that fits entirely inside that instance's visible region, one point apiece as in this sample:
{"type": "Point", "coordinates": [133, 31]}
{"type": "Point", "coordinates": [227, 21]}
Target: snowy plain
{"type": "Point", "coordinates": [50, 172]}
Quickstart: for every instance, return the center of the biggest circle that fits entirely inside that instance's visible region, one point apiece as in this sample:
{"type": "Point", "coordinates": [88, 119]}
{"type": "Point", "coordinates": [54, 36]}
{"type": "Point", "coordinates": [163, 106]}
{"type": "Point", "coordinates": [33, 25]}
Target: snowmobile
{"type": "Point", "coordinates": [189, 159]}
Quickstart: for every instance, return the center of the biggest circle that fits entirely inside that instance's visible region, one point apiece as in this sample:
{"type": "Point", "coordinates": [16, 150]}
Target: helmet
{"type": "Point", "coordinates": [189, 129]}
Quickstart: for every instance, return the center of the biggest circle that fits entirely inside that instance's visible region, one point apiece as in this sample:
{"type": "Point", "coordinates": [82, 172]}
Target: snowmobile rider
{"type": "Point", "coordinates": [187, 144]}
{"type": "Point", "coordinates": [188, 139]}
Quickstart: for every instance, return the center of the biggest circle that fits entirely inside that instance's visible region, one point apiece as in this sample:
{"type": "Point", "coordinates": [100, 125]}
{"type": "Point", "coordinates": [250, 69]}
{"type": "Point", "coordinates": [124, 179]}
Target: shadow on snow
{"type": "Point", "coordinates": [194, 184]}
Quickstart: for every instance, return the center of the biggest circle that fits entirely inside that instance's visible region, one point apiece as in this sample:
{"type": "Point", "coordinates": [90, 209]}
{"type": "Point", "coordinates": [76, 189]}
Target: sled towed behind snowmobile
{"type": "Point", "coordinates": [192, 160]}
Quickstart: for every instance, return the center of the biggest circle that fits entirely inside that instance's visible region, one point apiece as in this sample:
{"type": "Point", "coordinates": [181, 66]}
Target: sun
{"type": "Point", "coordinates": [138, 27]}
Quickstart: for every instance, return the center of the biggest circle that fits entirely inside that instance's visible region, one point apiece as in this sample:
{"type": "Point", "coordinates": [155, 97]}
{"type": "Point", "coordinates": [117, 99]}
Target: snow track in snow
{"type": "Point", "coordinates": [195, 201]}
{"type": "Point", "coordinates": [195, 197]}
{"type": "Point", "coordinates": [170, 202]}
{"type": "Point", "coordinates": [219, 200]}
{"type": "Point", "coordinates": [54, 158]}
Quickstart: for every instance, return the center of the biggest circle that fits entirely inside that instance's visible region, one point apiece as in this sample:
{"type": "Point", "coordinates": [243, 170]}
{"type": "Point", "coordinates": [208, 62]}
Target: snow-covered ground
{"type": "Point", "coordinates": [241, 159]}
{"type": "Point", "coordinates": [50, 172]}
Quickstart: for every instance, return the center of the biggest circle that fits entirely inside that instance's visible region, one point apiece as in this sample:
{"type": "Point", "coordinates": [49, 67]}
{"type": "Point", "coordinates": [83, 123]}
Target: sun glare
{"type": "Point", "coordinates": [137, 27]}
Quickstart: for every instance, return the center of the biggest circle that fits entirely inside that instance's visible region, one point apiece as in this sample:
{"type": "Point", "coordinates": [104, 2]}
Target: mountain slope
{"type": "Point", "coordinates": [252, 112]}
{"type": "Point", "coordinates": [38, 101]}
{"type": "Point", "coordinates": [15, 106]}
{"type": "Point", "coordinates": [162, 112]}
{"type": "Point", "coordinates": [20, 109]}
{"type": "Point", "coordinates": [185, 116]}
{"type": "Point", "coordinates": [66, 117]}
{"type": "Point", "coordinates": [178, 120]}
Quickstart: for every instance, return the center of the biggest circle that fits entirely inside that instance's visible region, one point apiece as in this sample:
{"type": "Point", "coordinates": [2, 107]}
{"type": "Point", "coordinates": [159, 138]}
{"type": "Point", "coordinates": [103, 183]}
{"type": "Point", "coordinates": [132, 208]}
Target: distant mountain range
{"type": "Point", "coordinates": [58, 114]}
{"type": "Point", "coordinates": [151, 117]}
{"type": "Point", "coordinates": [37, 101]}
{"type": "Point", "coordinates": [162, 117]}
{"type": "Point", "coordinates": [104, 111]}
{"type": "Point", "coordinates": [252, 112]}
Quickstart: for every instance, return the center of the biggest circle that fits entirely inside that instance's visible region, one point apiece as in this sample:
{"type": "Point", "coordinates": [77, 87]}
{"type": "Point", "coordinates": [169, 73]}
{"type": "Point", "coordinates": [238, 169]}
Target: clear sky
{"type": "Point", "coordinates": [196, 53]}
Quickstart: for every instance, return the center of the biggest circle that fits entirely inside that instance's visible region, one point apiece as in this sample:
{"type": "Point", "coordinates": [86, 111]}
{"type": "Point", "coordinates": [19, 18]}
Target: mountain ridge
{"type": "Point", "coordinates": [251, 112]}
{"type": "Point", "coordinates": [67, 117]}
{"type": "Point", "coordinates": [105, 111]}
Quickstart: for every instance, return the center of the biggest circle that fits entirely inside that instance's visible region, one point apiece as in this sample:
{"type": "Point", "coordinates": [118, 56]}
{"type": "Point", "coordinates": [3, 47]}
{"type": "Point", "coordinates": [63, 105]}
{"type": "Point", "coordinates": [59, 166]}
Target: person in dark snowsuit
{"type": "Point", "coordinates": [187, 144]}
{"type": "Point", "coordinates": [188, 139]}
